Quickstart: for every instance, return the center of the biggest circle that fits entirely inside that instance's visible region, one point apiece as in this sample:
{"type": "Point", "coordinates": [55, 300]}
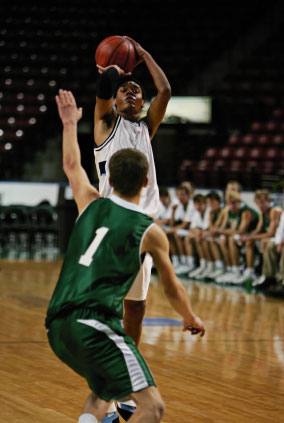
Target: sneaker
{"type": "Point", "coordinates": [264, 282]}
{"type": "Point", "coordinates": [216, 273]}
{"type": "Point", "coordinates": [225, 278]}
{"type": "Point", "coordinates": [258, 281]}
{"type": "Point", "coordinates": [240, 279]}
{"type": "Point", "coordinates": [126, 411]}
{"type": "Point", "coordinates": [196, 272]}
{"type": "Point", "coordinates": [205, 274]}
{"type": "Point", "coordinates": [182, 268]}
{"type": "Point", "coordinates": [177, 265]}
{"type": "Point", "coordinates": [110, 418]}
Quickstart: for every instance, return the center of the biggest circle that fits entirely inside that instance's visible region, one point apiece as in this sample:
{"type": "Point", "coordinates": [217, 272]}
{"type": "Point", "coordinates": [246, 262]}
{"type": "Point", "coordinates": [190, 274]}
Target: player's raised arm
{"type": "Point", "coordinates": [70, 114]}
{"type": "Point", "coordinates": [156, 243]}
{"type": "Point", "coordinates": [105, 114]}
{"type": "Point", "coordinates": [158, 106]}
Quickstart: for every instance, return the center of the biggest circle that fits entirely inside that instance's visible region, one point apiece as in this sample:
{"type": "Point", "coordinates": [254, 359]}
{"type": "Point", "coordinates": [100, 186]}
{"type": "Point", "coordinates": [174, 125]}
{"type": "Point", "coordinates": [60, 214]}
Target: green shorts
{"type": "Point", "coordinates": [99, 350]}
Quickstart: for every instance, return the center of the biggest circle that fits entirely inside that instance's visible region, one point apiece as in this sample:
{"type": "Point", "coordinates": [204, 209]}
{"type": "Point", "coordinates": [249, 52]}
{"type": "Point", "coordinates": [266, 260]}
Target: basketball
{"type": "Point", "coordinates": [116, 50]}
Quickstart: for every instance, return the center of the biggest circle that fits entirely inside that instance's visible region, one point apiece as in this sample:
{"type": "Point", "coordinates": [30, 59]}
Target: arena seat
{"type": "Point", "coordinates": [264, 140]}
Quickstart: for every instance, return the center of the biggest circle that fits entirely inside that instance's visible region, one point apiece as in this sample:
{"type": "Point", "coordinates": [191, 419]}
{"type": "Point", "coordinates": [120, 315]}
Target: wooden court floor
{"type": "Point", "coordinates": [235, 374]}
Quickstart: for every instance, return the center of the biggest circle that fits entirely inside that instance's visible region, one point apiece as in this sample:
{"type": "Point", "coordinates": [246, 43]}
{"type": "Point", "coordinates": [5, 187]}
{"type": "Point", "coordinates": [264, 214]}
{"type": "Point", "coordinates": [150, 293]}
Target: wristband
{"type": "Point", "coordinates": [106, 83]}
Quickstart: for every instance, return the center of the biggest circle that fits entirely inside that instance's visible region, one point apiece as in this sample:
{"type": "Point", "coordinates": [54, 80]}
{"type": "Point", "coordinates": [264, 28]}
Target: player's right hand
{"type": "Point", "coordinates": [196, 326]}
{"type": "Point", "coordinates": [121, 72]}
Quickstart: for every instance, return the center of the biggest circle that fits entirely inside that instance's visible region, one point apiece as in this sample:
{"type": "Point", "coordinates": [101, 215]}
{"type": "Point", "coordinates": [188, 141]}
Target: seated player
{"type": "Point", "coordinates": [241, 220]}
{"type": "Point", "coordinates": [273, 261]}
{"type": "Point", "coordinates": [193, 242]}
{"type": "Point", "coordinates": [268, 221]}
{"type": "Point", "coordinates": [164, 212]}
{"type": "Point", "coordinates": [179, 224]}
{"type": "Point", "coordinates": [215, 263]}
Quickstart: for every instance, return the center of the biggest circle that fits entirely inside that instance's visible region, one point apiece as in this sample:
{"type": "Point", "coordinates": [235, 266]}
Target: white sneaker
{"type": "Point", "coordinates": [205, 274]}
{"type": "Point", "coordinates": [225, 278]}
{"type": "Point", "coordinates": [182, 268]}
{"type": "Point", "coordinates": [216, 273]}
{"type": "Point", "coordinates": [240, 279]}
{"type": "Point", "coordinates": [177, 265]}
{"type": "Point", "coordinates": [196, 272]}
{"type": "Point", "coordinates": [259, 281]}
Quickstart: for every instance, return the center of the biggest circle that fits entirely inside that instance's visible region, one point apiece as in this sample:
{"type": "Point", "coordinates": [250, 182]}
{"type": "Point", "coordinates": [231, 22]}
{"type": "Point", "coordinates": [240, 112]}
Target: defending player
{"type": "Point", "coordinates": [108, 243]}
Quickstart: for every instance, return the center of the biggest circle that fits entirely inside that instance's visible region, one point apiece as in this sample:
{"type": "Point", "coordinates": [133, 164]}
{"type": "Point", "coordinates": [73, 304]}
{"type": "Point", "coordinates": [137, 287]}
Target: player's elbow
{"type": "Point", "coordinates": [69, 164]}
{"type": "Point", "coordinates": [166, 91]}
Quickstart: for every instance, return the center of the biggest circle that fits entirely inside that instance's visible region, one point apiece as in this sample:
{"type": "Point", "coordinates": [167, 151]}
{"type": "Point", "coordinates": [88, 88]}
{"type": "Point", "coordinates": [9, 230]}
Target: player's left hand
{"type": "Point", "coordinates": [140, 51]}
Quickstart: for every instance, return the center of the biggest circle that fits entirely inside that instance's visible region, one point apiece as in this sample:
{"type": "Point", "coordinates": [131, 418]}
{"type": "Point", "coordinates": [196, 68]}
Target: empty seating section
{"type": "Point", "coordinates": [27, 231]}
{"type": "Point", "coordinates": [250, 108]}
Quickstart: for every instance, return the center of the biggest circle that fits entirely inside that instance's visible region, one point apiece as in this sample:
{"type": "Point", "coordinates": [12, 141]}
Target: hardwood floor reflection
{"type": "Point", "coordinates": [234, 374]}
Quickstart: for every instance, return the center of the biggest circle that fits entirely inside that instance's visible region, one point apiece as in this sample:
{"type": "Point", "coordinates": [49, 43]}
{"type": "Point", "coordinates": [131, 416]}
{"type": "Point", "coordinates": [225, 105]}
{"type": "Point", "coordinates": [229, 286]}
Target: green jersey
{"type": "Point", "coordinates": [238, 218]}
{"type": "Point", "coordinates": [102, 259]}
{"type": "Point", "coordinates": [265, 221]}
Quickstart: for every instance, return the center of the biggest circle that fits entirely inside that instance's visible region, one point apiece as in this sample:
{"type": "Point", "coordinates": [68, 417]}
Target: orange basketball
{"type": "Point", "coordinates": [116, 50]}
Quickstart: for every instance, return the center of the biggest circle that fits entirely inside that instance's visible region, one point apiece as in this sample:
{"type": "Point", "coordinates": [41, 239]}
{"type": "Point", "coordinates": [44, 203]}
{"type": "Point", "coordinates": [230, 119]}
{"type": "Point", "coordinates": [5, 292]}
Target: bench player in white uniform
{"type": "Point", "coordinates": [119, 100]}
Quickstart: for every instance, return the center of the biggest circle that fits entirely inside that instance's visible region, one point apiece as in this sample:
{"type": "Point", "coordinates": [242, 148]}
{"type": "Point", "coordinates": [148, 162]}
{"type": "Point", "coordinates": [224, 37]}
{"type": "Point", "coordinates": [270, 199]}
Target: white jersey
{"type": "Point", "coordinates": [127, 134]}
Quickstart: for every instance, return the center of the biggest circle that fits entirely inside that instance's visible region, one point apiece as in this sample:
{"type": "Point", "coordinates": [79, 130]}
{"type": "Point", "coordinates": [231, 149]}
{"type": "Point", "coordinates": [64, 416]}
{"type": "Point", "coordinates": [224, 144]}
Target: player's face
{"type": "Point", "coordinates": [214, 204]}
{"type": "Point", "coordinates": [263, 204]}
{"type": "Point", "coordinates": [165, 200]}
{"type": "Point", "coordinates": [129, 96]}
{"type": "Point", "coordinates": [200, 207]}
{"type": "Point", "coordinates": [234, 205]}
{"type": "Point", "coordinates": [182, 196]}
{"type": "Point", "coordinates": [232, 187]}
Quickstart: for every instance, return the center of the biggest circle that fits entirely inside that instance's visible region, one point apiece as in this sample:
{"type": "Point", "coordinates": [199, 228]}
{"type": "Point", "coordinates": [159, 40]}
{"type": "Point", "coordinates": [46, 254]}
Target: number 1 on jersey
{"type": "Point", "coordinates": [87, 258]}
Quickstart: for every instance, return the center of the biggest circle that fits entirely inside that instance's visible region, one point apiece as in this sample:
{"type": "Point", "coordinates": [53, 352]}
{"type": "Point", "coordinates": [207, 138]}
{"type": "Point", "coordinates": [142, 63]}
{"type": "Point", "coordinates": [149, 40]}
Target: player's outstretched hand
{"type": "Point", "coordinates": [196, 326]}
{"type": "Point", "coordinates": [67, 107]}
{"type": "Point", "coordinates": [121, 72]}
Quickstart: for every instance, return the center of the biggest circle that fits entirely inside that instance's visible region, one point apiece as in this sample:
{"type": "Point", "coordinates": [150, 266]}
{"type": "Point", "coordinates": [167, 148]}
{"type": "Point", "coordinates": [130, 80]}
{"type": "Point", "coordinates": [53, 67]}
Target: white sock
{"type": "Point", "coordinates": [219, 264]}
{"type": "Point", "coordinates": [175, 260]}
{"type": "Point", "coordinates": [131, 403]}
{"type": "Point", "coordinates": [112, 408]}
{"type": "Point", "coordinates": [210, 265]}
{"type": "Point", "coordinates": [236, 269]}
{"type": "Point", "coordinates": [229, 269]}
{"type": "Point", "coordinates": [183, 259]}
{"type": "Point", "coordinates": [87, 418]}
{"type": "Point", "coordinates": [249, 271]}
{"type": "Point", "coordinates": [190, 261]}
{"type": "Point", "coordinates": [203, 263]}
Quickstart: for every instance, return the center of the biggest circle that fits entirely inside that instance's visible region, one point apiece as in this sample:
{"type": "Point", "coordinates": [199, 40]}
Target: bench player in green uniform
{"type": "Point", "coordinates": [106, 248]}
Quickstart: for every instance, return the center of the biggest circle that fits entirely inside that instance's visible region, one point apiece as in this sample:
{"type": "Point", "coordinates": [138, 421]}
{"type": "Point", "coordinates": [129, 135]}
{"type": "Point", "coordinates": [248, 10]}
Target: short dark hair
{"type": "Point", "coordinates": [163, 191]}
{"type": "Point", "coordinates": [123, 80]}
{"type": "Point", "coordinates": [128, 170]}
{"type": "Point", "coordinates": [213, 195]}
{"type": "Point", "coordinates": [199, 198]}
{"type": "Point", "coordinates": [183, 188]}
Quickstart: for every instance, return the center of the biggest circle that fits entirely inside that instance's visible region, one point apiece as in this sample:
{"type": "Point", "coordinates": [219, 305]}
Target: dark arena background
{"type": "Point", "coordinates": [225, 122]}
